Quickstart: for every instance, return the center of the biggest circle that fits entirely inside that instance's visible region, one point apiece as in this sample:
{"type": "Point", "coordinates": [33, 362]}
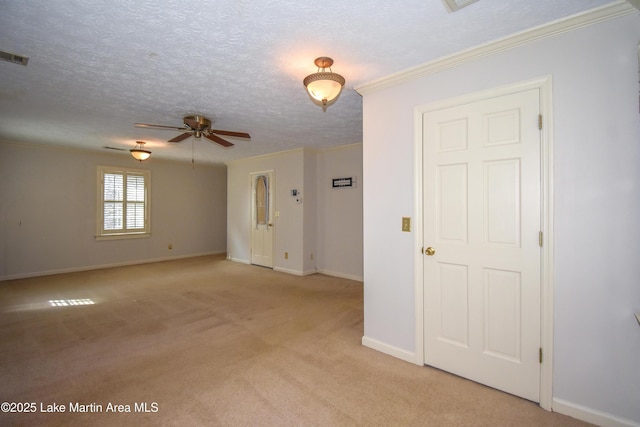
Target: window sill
{"type": "Point", "coordinates": [122, 236]}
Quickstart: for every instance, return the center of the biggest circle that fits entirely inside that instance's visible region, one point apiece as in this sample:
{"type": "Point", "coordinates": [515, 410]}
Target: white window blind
{"type": "Point", "coordinates": [113, 201]}
{"type": "Point", "coordinates": [135, 202]}
{"type": "Point", "coordinates": [124, 203]}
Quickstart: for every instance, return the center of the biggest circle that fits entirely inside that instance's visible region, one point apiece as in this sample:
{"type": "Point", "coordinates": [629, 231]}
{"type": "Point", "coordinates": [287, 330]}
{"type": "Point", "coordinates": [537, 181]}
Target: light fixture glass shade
{"type": "Point", "coordinates": [139, 153]}
{"type": "Point", "coordinates": [324, 86]}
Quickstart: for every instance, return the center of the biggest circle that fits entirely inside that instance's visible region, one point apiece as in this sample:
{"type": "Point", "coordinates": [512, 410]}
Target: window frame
{"type": "Point", "coordinates": [124, 233]}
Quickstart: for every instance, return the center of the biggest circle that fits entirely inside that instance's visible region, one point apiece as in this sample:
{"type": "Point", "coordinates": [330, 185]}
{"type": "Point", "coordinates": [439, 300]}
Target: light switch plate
{"type": "Point", "coordinates": [406, 223]}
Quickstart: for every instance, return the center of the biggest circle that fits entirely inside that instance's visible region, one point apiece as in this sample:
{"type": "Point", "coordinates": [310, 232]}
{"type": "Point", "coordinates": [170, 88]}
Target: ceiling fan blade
{"type": "Point", "coordinates": [147, 125]}
{"type": "Point", "coordinates": [180, 137]}
{"type": "Point", "coordinates": [219, 140]}
{"type": "Point", "coordinates": [231, 133]}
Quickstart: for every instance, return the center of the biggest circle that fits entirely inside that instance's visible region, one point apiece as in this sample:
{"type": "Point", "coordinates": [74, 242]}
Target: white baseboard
{"type": "Point", "coordinates": [315, 271]}
{"type": "Point", "coordinates": [405, 355]}
{"type": "Point", "coordinates": [590, 415]}
{"type": "Point", "coordinates": [560, 406]}
{"type": "Point", "coordinates": [294, 272]}
{"type": "Point", "coordinates": [341, 275]}
{"type": "Point", "coordinates": [306, 272]}
{"type": "Point", "coordinates": [100, 266]}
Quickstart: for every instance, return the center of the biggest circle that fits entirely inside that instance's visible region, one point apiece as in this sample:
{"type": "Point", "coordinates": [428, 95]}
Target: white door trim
{"type": "Point", "coordinates": [544, 84]}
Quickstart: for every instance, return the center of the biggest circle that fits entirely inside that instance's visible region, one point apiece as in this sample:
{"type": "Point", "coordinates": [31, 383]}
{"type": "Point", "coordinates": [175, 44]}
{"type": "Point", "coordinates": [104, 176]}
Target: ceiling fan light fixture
{"type": "Point", "coordinates": [139, 153]}
{"type": "Point", "coordinates": [196, 126]}
{"type": "Point", "coordinates": [324, 86]}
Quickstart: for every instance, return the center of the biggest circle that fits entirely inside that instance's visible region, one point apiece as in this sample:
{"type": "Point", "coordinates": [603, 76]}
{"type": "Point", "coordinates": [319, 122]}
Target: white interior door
{"type": "Point", "coordinates": [482, 219]}
{"type": "Point", "coordinates": [262, 219]}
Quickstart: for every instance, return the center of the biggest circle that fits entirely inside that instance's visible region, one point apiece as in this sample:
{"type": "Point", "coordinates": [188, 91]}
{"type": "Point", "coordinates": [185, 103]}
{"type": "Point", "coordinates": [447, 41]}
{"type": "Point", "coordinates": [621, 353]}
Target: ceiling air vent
{"type": "Point", "coordinates": [12, 57]}
{"type": "Point", "coordinates": [455, 5]}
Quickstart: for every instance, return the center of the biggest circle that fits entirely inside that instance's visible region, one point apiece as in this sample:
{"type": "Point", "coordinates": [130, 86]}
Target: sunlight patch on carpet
{"type": "Point", "coordinates": [70, 302]}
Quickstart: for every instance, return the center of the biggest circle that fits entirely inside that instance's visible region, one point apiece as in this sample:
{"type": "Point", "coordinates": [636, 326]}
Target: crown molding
{"type": "Point", "coordinates": [266, 155]}
{"type": "Point", "coordinates": [603, 13]}
{"type": "Point", "coordinates": [635, 3]}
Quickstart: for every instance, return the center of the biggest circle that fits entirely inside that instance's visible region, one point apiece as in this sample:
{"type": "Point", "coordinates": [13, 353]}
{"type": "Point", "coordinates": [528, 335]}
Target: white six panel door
{"type": "Point", "coordinates": [482, 216]}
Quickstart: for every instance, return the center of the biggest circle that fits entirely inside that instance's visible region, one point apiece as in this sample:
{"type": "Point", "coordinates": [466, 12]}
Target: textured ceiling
{"type": "Point", "coordinates": [96, 67]}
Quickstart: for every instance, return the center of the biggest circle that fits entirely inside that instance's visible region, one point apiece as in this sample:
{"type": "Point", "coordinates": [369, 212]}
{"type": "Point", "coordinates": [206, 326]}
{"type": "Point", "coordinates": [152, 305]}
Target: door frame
{"type": "Point", "coordinates": [544, 84]}
{"type": "Point", "coordinates": [252, 217]}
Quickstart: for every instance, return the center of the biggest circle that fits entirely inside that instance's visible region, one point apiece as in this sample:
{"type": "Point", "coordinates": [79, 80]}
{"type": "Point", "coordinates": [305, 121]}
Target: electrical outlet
{"type": "Point", "coordinates": [406, 223]}
{"type": "Point", "coordinates": [286, 255]}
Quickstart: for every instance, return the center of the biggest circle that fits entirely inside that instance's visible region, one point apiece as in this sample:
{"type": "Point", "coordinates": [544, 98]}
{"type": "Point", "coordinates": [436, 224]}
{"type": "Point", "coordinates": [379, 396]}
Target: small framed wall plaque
{"type": "Point", "coordinates": [348, 182]}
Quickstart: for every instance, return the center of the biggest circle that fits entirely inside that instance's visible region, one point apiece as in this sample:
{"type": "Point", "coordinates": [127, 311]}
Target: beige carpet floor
{"type": "Point", "coordinates": [205, 341]}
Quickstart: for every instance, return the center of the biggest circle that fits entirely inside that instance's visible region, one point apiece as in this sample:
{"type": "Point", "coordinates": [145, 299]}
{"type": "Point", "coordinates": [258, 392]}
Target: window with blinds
{"type": "Point", "coordinates": [123, 206]}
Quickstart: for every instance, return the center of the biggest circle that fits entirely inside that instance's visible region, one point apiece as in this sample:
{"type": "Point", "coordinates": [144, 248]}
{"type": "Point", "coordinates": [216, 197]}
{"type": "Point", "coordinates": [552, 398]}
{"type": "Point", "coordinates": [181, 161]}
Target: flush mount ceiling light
{"type": "Point", "coordinates": [324, 86]}
{"type": "Point", "coordinates": [139, 153]}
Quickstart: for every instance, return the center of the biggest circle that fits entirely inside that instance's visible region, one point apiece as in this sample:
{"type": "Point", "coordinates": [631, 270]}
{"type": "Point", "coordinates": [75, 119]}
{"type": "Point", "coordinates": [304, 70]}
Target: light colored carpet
{"type": "Point", "coordinates": [205, 341]}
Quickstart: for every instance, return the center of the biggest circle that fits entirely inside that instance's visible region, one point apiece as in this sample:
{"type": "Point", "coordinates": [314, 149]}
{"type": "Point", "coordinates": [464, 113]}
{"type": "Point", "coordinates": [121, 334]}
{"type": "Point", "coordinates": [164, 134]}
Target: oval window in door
{"type": "Point", "coordinates": [262, 211]}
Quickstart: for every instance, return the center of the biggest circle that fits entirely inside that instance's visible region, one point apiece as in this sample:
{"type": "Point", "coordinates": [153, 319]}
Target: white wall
{"type": "Point", "coordinates": [596, 187]}
{"type": "Point", "coordinates": [48, 211]}
{"type": "Point", "coordinates": [324, 233]}
{"type": "Point", "coordinates": [310, 211]}
{"type": "Point", "coordinates": [340, 212]}
{"type": "Point", "coordinates": [288, 168]}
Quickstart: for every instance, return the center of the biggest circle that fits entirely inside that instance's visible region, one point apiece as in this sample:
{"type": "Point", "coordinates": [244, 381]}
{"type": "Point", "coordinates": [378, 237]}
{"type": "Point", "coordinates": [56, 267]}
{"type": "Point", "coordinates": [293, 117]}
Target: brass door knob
{"type": "Point", "coordinates": [430, 251]}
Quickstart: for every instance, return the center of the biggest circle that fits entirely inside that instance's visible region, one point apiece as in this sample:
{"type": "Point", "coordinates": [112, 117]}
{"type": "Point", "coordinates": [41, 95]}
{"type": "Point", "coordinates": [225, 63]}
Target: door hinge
{"type": "Point", "coordinates": [540, 354]}
{"type": "Point", "coordinates": [540, 238]}
{"type": "Point", "coordinates": [540, 121]}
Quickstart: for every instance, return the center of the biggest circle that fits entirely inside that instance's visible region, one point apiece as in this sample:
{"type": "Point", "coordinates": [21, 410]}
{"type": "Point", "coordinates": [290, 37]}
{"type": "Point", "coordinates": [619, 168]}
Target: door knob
{"type": "Point", "coordinates": [430, 251]}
